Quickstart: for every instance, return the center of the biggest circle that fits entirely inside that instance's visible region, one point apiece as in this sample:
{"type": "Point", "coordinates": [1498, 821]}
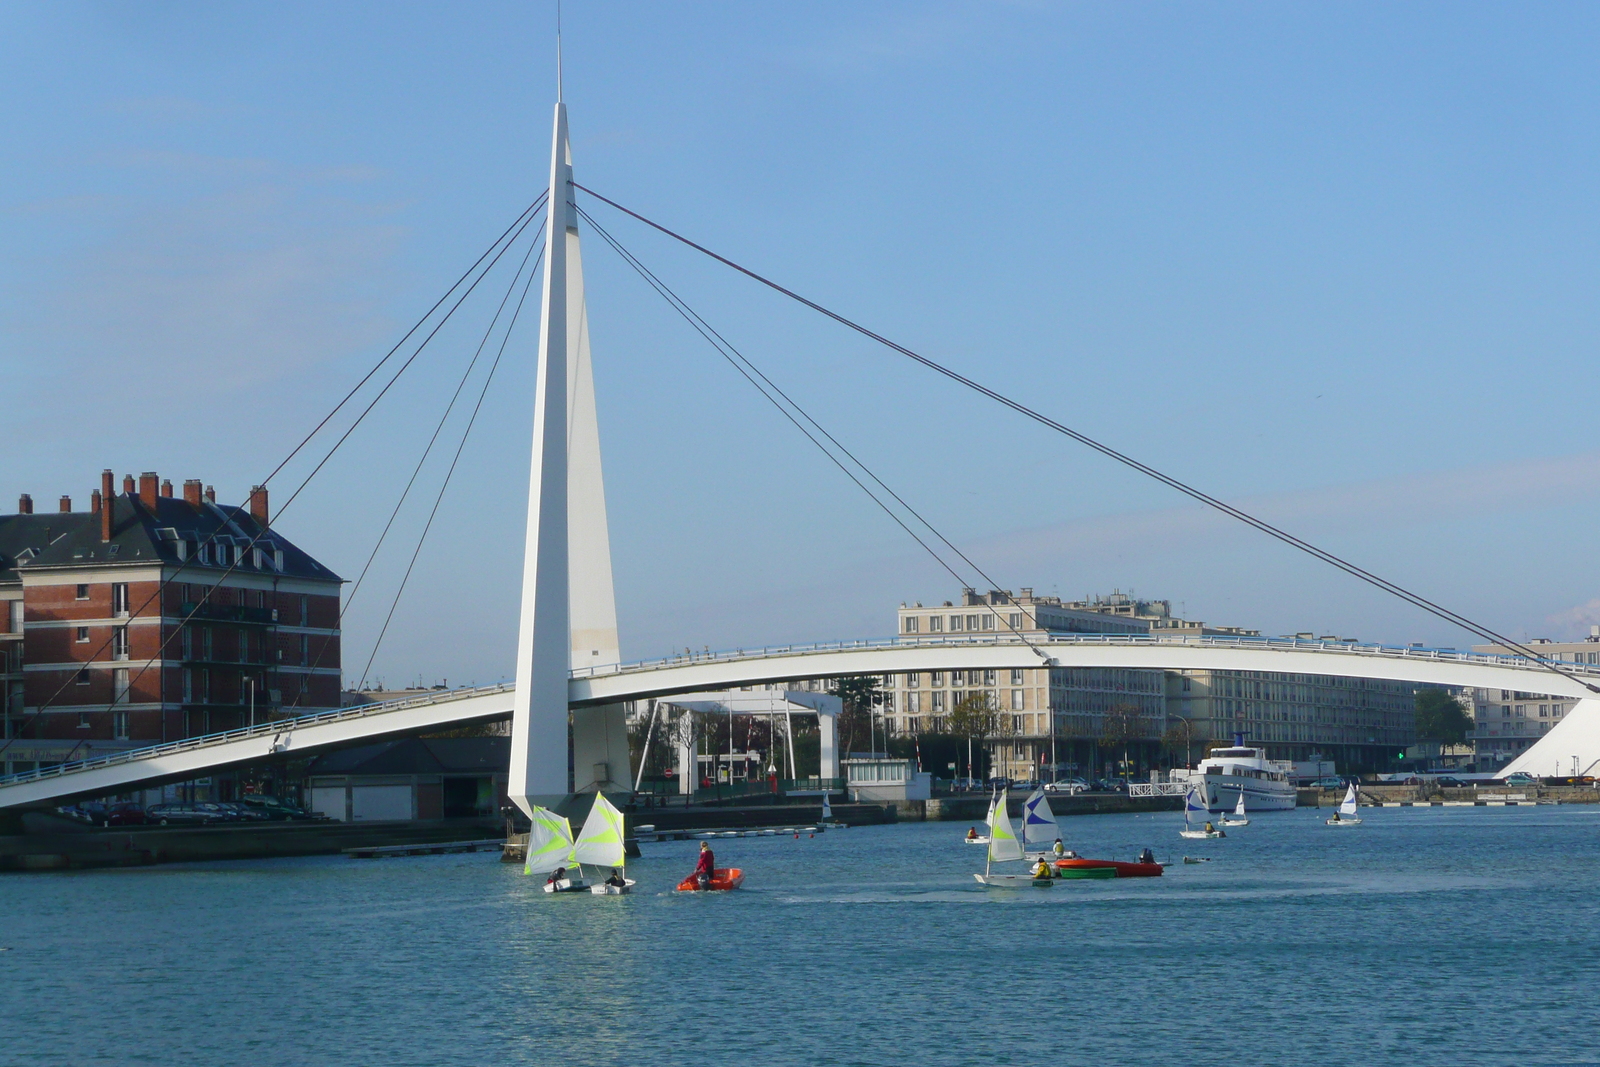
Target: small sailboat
{"type": "Point", "coordinates": [988, 820]}
{"type": "Point", "coordinates": [1039, 829]}
{"type": "Point", "coordinates": [1239, 817]}
{"type": "Point", "coordinates": [1003, 847]}
{"type": "Point", "coordinates": [1192, 803]}
{"type": "Point", "coordinates": [600, 843]}
{"type": "Point", "coordinates": [549, 850]}
{"type": "Point", "coordinates": [1346, 815]}
{"type": "Point", "coordinates": [827, 816]}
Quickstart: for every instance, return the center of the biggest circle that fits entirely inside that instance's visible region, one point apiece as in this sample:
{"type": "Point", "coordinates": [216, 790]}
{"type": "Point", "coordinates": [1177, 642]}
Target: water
{"type": "Point", "coordinates": [1461, 936]}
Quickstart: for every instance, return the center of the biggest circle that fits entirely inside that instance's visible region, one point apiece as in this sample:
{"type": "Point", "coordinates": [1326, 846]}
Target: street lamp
{"type": "Point", "coordinates": [1185, 722]}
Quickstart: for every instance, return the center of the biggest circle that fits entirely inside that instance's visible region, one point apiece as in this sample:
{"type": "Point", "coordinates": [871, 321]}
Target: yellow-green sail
{"type": "Point", "coordinates": [549, 842]}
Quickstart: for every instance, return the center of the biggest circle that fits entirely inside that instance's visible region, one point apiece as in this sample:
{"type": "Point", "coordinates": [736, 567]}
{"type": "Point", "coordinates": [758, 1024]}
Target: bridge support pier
{"type": "Point", "coordinates": [600, 757]}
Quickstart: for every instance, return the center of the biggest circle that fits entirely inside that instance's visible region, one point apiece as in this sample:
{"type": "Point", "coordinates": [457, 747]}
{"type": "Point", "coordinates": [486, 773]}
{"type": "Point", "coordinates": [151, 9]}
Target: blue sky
{"type": "Point", "coordinates": [1333, 263]}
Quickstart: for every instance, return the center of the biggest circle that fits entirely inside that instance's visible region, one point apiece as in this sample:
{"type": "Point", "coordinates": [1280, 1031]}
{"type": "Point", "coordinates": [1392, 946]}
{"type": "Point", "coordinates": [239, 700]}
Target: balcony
{"type": "Point", "coordinates": [230, 613]}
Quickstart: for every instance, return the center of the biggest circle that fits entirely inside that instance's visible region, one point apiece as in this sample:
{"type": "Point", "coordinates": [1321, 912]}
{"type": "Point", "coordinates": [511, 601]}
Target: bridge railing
{"type": "Point", "coordinates": [1289, 644]}
{"type": "Point", "coordinates": [276, 726]}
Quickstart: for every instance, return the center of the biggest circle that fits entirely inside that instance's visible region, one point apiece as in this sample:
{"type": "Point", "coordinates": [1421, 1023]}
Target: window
{"type": "Point", "coordinates": [955, 624]}
{"type": "Point", "coordinates": [938, 700]}
{"type": "Point", "coordinates": [83, 676]}
{"type": "Point", "coordinates": [305, 650]}
{"type": "Point", "coordinates": [913, 680]}
{"type": "Point", "coordinates": [119, 599]}
{"type": "Point", "coordinates": [1016, 620]}
{"type": "Point", "coordinates": [936, 678]}
{"type": "Point", "coordinates": [1186, 685]}
{"type": "Point", "coordinates": [119, 721]}
{"type": "Point", "coordinates": [205, 642]}
{"type": "Point", "coordinates": [83, 635]}
{"type": "Point", "coordinates": [935, 623]}
{"type": "Point", "coordinates": [83, 592]}
{"type": "Point", "coordinates": [988, 677]}
{"type": "Point", "coordinates": [1016, 700]}
{"type": "Point", "coordinates": [1016, 677]}
{"type": "Point", "coordinates": [83, 720]}
{"type": "Point", "coordinates": [1016, 728]}
{"type": "Point", "coordinates": [205, 552]}
{"type": "Point", "coordinates": [119, 643]}
{"type": "Point", "coordinates": [988, 622]}
{"type": "Point", "coordinates": [305, 611]}
{"type": "Point", "coordinates": [119, 685]}
{"type": "Point", "coordinates": [913, 703]}
{"type": "Point", "coordinates": [16, 616]}
{"type": "Point", "coordinates": [188, 686]}
{"type": "Point", "coordinates": [911, 624]}
{"type": "Point", "coordinates": [222, 555]}
{"type": "Point", "coordinates": [187, 641]}
{"type": "Point", "coordinates": [958, 677]}
{"type": "Point", "coordinates": [972, 623]}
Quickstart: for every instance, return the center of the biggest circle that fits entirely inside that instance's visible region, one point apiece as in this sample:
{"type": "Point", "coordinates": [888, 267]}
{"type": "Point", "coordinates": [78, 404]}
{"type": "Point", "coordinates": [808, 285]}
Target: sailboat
{"type": "Point", "coordinates": [1346, 815]}
{"type": "Point", "coordinates": [1039, 829]}
{"type": "Point", "coordinates": [1239, 817]}
{"type": "Point", "coordinates": [988, 820]}
{"type": "Point", "coordinates": [1193, 802]}
{"type": "Point", "coordinates": [600, 843]}
{"type": "Point", "coordinates": [827, 816]}
{"type": "Point", "coordinates": [549, 848]}
{"type": "Point", "coordinates": [1003, 847]}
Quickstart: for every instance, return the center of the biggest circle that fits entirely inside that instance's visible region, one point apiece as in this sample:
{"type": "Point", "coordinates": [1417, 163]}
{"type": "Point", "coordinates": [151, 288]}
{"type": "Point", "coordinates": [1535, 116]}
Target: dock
{"type": "Point", "coordinates": [436, 848]}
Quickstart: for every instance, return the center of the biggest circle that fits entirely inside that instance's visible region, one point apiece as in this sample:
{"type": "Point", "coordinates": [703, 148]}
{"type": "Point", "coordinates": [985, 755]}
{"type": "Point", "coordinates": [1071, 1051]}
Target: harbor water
{"type": "Point", "coordinates": [1424, 936]}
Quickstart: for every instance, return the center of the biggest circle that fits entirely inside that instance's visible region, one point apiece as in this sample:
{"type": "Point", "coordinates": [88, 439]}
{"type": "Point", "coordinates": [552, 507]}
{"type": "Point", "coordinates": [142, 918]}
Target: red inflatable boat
{"type": "Point", "coordinates": [1124, 870]}
{"type": "Point", "coordinates": [721, 878]}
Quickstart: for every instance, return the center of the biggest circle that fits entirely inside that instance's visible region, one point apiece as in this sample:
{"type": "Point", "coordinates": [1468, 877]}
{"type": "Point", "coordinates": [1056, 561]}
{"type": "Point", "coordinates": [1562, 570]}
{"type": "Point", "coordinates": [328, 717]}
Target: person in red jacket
{"type": "Point", "coordinates": [706, 867]}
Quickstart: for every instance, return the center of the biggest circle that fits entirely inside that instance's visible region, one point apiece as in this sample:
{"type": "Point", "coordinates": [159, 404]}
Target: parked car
{"type": "Point", "coordinates": [181, 812]}
{"type": "Point", "coordinates": [1028, 784]}
{"type": "Point", "coordinates": [1328, 783]}
{"type": "Point", "coordinates": [277, 809]}
{"type": "Point", "coordinates": [1520, 778]}
{"type": "Point", "coordinates": [1447, 782]}
{"type": "Point", "coordinates": [1067, 785]}
{"type": "Point", "coordinates": [997, 783]}
{"type": "Point", "coordinates": [243, 812]}
{"type": "Point", "coordinates": [125, 813]}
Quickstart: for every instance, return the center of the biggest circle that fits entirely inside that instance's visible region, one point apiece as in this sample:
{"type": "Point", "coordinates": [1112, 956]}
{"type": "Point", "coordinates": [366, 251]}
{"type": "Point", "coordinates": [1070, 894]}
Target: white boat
{"type": "Point", "coordinates": [1239, 817]}
{"type": "Point", "coordinates": [1346, 815]}
{"type": "Point", "coordinates": [1192, 802]}
{"type": "Point", "coordinates": [827, 816]}
{"type": "Point", "coordinates": [1039, 829]}
{"type": "Point", "coordinates": [1003, 847]}
{"type": "Point", "coordinates": [1226, 774]}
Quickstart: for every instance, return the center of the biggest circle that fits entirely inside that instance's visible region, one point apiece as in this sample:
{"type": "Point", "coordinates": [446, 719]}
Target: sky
{"type": "Point", "coordinates": [1334, 264]}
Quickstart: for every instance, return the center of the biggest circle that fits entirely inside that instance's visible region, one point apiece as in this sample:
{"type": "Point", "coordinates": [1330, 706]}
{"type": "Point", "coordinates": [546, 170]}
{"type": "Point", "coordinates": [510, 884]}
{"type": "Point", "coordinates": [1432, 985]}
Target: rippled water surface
{"type": "Point", "coordinates": [1461, 936]}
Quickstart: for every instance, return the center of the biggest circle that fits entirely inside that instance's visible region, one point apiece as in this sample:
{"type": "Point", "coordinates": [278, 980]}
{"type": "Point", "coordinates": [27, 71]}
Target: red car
{"type": "Point", "coordinates": [126, 813]}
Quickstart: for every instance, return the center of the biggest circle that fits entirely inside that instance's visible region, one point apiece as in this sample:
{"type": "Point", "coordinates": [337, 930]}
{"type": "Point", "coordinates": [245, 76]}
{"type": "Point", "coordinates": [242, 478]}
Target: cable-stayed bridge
{"type": "Point", "coordinates": [571, 685]}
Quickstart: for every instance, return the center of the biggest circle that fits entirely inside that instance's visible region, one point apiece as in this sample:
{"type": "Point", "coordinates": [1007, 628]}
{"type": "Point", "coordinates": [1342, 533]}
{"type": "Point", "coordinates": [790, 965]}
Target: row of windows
{"type": "Point", "coordinates": [959, 623]}
{"type": "Point", "coordinates": [936, 678]}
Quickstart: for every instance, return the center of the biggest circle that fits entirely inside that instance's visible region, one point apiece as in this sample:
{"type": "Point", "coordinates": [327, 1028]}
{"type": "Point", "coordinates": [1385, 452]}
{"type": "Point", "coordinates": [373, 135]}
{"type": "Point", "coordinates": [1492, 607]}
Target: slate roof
{"type": "Point", "coordinates": [438, 755]}
{"type": "Point", "coordinates": [142, 535]}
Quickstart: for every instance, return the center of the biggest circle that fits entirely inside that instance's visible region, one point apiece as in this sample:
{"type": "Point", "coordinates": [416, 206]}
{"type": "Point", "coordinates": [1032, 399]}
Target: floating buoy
{"type": "Point", "coordinates": [813, 835]}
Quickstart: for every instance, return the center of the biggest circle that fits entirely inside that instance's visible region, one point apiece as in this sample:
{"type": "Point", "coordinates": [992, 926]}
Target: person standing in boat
{"type": "Point", "coordinates": [706, 867]}
{"type": "Point", "coordinates": [1058, 848]}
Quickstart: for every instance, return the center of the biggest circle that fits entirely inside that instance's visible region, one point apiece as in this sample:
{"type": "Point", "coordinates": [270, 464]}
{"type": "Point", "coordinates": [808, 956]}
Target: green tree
{"type": "Point", "coordinates": [1440, 717]}
{"type": "Point", "coordinates": [975, 719]}
{"type": "Point", "coordinates": [1122, 725]}
{"type": "Point", "coordinates": [858, 692]}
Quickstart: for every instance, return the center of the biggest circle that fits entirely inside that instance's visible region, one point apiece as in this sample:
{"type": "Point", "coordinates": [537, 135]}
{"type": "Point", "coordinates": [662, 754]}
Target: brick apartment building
{"type": "Point", "coordinates": [95, 650]}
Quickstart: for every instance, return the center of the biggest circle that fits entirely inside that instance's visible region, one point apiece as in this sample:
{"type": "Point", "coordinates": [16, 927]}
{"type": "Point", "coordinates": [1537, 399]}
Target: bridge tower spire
{"type": "Point", "coordinates": [569, 614]}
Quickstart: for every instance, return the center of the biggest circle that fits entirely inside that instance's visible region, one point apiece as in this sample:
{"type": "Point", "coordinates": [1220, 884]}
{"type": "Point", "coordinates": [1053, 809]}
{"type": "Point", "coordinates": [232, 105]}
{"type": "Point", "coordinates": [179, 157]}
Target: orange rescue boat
{"type": "Point", "coordinates": [721, 878]}
{"type": "Point", "coordinates": [1124, 870]}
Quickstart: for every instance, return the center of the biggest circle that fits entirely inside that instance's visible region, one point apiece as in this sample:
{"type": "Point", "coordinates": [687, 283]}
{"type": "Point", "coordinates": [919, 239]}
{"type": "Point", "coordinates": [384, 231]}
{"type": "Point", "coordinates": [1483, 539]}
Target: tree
{"type": "Point", "coordinates": [976, 719]}
{"type": "Point", "coordinates": [1122, 725]}
{"type": "Point", "coordinates": [858, 692]}
{"type": "Point", "coordinates": [1440, 717]}
{"type": "Point", "coordinates": [1178, 741]}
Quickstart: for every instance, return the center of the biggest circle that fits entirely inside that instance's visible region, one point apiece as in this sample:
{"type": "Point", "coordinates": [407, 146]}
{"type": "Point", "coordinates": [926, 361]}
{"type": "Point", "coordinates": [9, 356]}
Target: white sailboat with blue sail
{"type": "Point", "coordinates": [1040, 831]}
{"type": "Point", "coordinates": [1193, 802]}
{"type": "Point", "coordinates": [1346, 815]}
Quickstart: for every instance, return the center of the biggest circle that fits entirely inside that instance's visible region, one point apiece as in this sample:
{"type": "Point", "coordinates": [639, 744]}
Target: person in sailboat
{"type": "Point", "coordinates": [706, 867]}
{"type": "Point", "coordinates": [616, 879]}
{"type": "Point", "coordinates": [556, 876]}
{"type": "Point", "coordinates": [1147, 856]}
{"type": "Point", "coordinates": [1058, 848]}
{"type": "Point", "coordinates": [1335, 817]}
{"type": "Point", "coordinates": [1209, 828]}
{"type": "Point", "coordinates": [972, 833]}
{"type": "Point", "coordinates": [1043, 869]}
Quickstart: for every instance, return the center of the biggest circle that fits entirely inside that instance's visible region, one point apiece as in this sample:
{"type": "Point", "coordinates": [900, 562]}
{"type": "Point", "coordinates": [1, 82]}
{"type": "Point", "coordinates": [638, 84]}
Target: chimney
{"type": "Point", "coordinates": [258, 504]}
{"type": "Point", "coordinates": [108, 504]}
{"type": "Point", "coordinates": [166, 487]}
{"type": "Point", "coordinates": [127, 485]}
{"type": "Point", "coordinates": [94, 502]}
{"type": "Point", "coordinates": [211, 494]}
{"type": "Point", "coordinates": [66, 504]}
{"type": "Point", "coordinates": [191, 492]}
{"type": "Point", "coordinates": [149, 486]}
{"type": "Point", "coordinates": [24, 504]}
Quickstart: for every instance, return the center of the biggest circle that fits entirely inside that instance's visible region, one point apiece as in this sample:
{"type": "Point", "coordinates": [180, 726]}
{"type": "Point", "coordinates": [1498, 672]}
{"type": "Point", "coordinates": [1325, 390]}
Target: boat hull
{"type": "Point", "coordinates": [1118, 869]}
{"type": "Point", "coordinates": [606, 889]}
{"type": "Point", "coordinates": [1352, 821]}
{"type": "Point", "coordinates": [1087, 872]}
{"type": "Point", "coordinates": [1220, 792]}
{"type": "Point", "coordinates": [723, 878]}
{"type": "Point", "coordinates": [567, 885]}
{"type": "Point", "coordinates": [1202, 835]}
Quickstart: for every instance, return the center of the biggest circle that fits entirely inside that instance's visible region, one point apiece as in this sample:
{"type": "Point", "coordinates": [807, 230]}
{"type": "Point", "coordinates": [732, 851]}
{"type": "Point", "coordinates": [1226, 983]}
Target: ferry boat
{"type": "Point", "coordinates": [1226, 773]}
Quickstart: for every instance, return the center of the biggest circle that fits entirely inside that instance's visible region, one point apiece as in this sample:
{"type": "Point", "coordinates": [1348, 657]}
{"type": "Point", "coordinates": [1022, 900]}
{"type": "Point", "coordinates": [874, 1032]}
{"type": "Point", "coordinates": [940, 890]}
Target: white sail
{"type": "Point", "coordinates": [1003, 843]}
{"type": "Point", "coordinates": [1349, 805]}
{"type": "Point", "coordinates": [1192, 802]}
{"type": "Point", "coordinates": [549, 841]}
{"type": "Point", "coordinates": [1238, 809]}
{"type": "Point", "coordinates": [827, 809]}
{"type": "Point", "coordinates": [1039, 829]}
{"type": "Point", "coordinates": [600, 841]}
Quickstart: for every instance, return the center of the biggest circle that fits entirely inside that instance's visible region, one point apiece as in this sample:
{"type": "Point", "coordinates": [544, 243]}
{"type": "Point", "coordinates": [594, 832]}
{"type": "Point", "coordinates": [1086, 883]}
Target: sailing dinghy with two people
{"type": "Point", "coordinates": [1005, 848]}
{"type": "Point", "coordinates": [1346, 815]}
{"type": "Point", "coordinates": [553, 851]}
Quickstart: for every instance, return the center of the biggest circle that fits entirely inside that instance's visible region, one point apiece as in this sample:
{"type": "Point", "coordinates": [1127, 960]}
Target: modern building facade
{"type": "Point", "coordinates": [1506, 723]}
{"type": "Point", "coordinates": [151, 617]}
